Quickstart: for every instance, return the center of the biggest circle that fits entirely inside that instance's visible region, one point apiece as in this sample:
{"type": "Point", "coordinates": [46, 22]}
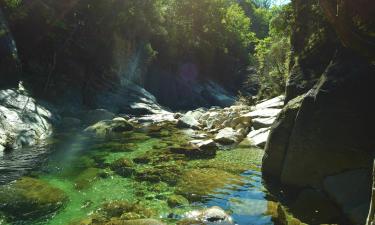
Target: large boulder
{"type": "Point", "coordinates": [325, 138]}
{"type": "Point", "coordinates": [23, 120]}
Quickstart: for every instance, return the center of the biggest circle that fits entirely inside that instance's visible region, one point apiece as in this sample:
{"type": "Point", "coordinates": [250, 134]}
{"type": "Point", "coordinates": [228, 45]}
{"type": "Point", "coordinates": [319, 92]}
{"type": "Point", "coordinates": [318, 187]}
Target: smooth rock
{"type": "Point", "coordinates": [351, 190]}
{"type": "Point", "coordinates": [212, 215]}
{"type": "Point", "coordinates": [259, 137]}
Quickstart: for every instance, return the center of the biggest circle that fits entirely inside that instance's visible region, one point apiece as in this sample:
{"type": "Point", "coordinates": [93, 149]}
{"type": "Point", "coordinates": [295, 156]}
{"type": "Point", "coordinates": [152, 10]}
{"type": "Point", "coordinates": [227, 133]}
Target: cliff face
{"type": "Point", "coordinates": [322, 143]}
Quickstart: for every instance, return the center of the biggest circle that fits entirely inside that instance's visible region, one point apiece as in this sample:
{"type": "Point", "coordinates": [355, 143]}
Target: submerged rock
{"type": "Point", "coordinates": [123, 167]}
{"type": "Point", "coordinates": [194, 151]}
{"type": "Point", "coordinates": [30, 198]}
{"type": "Point", "coordinates": [196, 183]}
{"type": "Point", "coordinates": [136, 222]}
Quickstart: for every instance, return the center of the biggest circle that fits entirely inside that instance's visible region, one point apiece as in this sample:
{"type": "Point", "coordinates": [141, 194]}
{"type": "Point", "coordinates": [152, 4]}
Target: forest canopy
{"type": "Point", "coordinates": [223, 38]}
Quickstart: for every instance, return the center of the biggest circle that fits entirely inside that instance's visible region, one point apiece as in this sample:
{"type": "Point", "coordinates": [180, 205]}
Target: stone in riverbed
{"type": "Point", "coordinates": [213, 215]}
{"type": "Point", "coordinates": [195, 184]}
{"type": "Point", "coordinates": [135, 222]}
{"type": "Point", "coordinates": [123, 167]}
{"type": "Point", "coordinates": [107, 128]}
{"type": "Point", "coordinates": [189, 120]}
{"type": "Point", "coordinates": [259, 137]}
{"type": "Point", "coordinates": [206, 150]}
{"type": "Point", "coordinates": [228, 136]}
{"type": "Point", "coordinates": [30, 198]}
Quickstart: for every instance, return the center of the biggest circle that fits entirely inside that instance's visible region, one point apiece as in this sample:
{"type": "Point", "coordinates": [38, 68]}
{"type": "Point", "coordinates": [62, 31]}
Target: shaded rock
{"type": "Point", "coordinates": [207, 145]}
{"type": "Point", "coordinates": [70, 122]}
{"type": "Point", "coordinates": [194, 151]}
{"type": "Point", "coordinates": [30, 198]}
{"type": "Point", "coordinates": [228, 136]}
{"type": "Point", "coordinates": [280, 216]}
{"type": "Point", "coordinates": [352, 198]}
{"type": "Point", "coordinates": [314, 207]}
{"type": "Point", "coordinates": [277, 144]}
{"type": "Point", "coordinates": [96, 115]}
{"type": "Point", "coordinates": [106, 128]}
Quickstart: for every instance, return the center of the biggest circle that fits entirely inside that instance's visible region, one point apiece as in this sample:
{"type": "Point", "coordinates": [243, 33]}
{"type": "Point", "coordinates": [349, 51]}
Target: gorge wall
{"type": "Point", "coordinates": [321, 148]}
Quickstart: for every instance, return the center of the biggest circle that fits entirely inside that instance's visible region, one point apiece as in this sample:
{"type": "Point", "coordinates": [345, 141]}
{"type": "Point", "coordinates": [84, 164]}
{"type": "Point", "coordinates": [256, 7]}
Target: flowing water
{"type": "Point", "coordinates": [83, 168]}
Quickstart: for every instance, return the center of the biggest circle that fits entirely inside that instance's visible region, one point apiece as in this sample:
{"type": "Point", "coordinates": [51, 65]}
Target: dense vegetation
{"type": "Point", "coordinates": [80, 43]}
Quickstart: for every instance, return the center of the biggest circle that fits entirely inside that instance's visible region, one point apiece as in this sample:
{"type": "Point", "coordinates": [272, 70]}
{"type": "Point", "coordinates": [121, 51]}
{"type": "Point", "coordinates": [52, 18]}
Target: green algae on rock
{"type": "Point", "coordinates": [177, 200]}
{"type": "Point", "coordinates": [198, 183]}
{"type": "Point", "coordinates": [123, 167]}
{"type": "Point", "coordinates": [30, 198]}
{"type": "Point", "coordinates": [107, 128]}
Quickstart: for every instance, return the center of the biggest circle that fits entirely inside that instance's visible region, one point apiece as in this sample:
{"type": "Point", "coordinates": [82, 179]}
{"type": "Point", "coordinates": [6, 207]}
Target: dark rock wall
{"type": "Point", "coordinates": [322, 145]}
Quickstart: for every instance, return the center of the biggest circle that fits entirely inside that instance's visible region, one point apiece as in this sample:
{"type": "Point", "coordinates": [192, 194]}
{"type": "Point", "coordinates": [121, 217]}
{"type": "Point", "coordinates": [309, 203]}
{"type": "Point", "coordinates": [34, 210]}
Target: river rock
{"type": "Point", "coordinates": [23, 120]}
{"type": "Point", "coordinates": [351, 197]}
{"type": "Point", "coordinates": [212, 215]}
{"type": "Point", "coordinates": [275, 103]}
{"type": "Point", "coordinates": [189, 120]}
{"type": "Point", "coordinates": [228, 136]}
{"type": "Point", "coordinates": [107, 128]}
{"type": "Point", "coordinates": [137, 222]}
{"type": "Point", "coordinates": [259, 137]}
{"type": "Point", "coordinates": [30, 198]}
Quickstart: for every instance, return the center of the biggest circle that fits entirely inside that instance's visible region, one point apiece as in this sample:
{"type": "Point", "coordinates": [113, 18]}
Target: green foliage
{"type": "Point", "coordinates": [273, 54]}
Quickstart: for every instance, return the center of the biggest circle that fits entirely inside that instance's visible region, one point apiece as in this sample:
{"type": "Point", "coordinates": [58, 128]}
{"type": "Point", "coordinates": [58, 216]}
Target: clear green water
{"type": "Point", "coordinates": [81, 168]}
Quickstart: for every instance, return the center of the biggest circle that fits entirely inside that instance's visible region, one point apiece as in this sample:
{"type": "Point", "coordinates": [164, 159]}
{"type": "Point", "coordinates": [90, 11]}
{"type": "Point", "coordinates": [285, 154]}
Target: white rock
{"type": "Point", "coordinates": [263, 122]}
{"type": "Point", "coordinates": [259, 137]}
{"type": "Point", "coordinates": [277, 103]}
{"type": "Point", "coordinates": [228, 136]}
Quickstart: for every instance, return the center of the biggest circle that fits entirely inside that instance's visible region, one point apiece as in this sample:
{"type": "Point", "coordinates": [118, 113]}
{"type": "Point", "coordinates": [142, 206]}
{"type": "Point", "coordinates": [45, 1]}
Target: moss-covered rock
{"type": "Point", "coordinates": [168, 173]}
{"type": "Point", "coordinates": [123, 167]}
{"type": "Point", "coordinates": [30, 198]}
{"type": "Point", "coordinates": [86, 178]}
{"type": "Point", "coordinates": [177, 200]}
{"type": "Point", "coordinates": [126, 210]}
{"type": "Point", "coordinates": [197, 183]}
{"type": "Point", "coordinates": [107, 128]}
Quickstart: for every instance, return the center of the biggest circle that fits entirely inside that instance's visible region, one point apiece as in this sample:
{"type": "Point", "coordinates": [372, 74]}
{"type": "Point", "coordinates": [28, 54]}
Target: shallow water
{"type": "Point", "coordinates": [80, 167]}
